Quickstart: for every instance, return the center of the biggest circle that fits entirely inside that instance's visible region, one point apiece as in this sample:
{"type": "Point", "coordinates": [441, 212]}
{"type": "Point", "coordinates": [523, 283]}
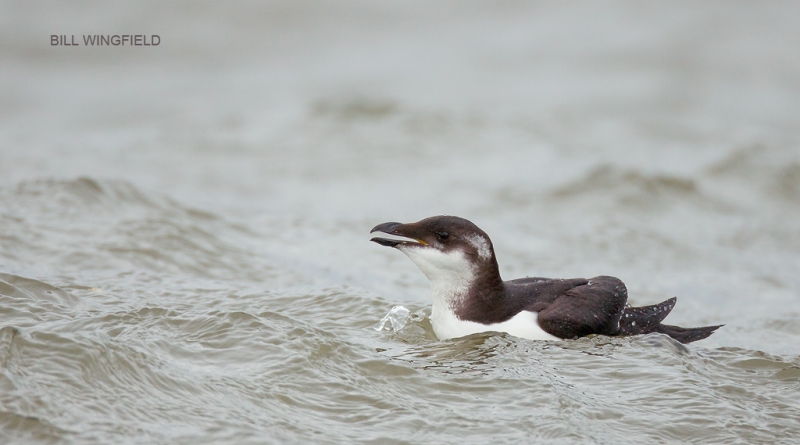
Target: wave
{"type": "Point", "coordinates": [85, 224]}
{"type": "Point", "coordinates": [773, 173]}
{"type": "Point", "coordinates": [633, 189]}
{"type": "Point", "coordinates": [84, 194]}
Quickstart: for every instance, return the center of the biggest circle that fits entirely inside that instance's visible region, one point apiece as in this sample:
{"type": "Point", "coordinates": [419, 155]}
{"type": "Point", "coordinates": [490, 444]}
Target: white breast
{"type": "Point", "coordinates": [524, 325]}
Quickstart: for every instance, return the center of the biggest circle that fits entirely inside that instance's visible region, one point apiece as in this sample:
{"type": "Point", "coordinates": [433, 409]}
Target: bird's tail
{"type": "Point", "coordinates": [647, 319]}
{"type": "Point", "coordinates": [686, 335]}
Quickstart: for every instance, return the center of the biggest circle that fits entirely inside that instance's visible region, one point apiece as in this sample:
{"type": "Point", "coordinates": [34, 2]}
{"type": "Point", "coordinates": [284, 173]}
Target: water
{"type": "Point", "coordinates": [184, 252]}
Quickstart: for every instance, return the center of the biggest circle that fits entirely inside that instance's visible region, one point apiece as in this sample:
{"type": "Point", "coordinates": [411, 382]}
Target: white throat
{"type": "Point", "coordinates": [450, 274]}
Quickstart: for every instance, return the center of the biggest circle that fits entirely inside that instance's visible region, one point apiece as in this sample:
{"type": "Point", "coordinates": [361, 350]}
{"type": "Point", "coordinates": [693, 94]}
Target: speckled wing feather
{"type": "Point", "coordinates": [645, 319]}
{"type": "Point", "coordinates": [594, 308]}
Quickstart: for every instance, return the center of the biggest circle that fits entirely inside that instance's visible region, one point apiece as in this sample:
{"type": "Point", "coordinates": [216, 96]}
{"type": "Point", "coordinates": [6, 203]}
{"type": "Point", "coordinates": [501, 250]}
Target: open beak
{"type": "Point", "coordinates": [395, 228]}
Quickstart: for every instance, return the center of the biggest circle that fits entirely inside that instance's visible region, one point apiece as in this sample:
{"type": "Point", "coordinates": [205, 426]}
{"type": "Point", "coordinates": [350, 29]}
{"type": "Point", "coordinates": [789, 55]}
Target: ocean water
{"type": "Point", "coordinates": [184, 229]}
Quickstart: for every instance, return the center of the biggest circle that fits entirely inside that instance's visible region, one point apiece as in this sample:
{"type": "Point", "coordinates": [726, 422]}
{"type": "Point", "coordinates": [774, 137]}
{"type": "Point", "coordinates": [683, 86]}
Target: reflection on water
{"type": "Point", "coordinates": [184, 251]}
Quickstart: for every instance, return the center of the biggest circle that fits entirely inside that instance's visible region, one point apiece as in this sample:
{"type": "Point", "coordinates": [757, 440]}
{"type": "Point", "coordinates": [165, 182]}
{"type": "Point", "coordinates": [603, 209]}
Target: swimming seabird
{"type": "Point", "coordinates": [470, 297]}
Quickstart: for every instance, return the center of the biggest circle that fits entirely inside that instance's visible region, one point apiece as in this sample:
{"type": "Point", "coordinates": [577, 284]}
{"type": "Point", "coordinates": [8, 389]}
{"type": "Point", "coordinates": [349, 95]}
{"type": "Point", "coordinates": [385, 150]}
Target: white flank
{"type": "Point", "coordinates": [524, 325]}
{"type": "Point", "coordinates": [450, 275]}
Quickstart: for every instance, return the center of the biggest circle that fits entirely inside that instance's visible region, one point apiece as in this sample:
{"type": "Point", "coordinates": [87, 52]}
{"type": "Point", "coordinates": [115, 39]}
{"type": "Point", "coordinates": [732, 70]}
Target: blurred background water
{"type": "Point", "coordinates": [184, 252]}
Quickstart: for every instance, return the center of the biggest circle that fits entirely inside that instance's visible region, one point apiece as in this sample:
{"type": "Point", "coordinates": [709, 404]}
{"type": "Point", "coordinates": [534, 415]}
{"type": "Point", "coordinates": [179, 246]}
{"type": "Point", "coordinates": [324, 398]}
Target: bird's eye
{"type": "Point", "coordinates": [443, 235]}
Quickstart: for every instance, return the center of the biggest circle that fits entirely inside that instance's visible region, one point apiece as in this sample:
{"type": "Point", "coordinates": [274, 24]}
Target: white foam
{"type": "Point", "coordinates": [397, 318]}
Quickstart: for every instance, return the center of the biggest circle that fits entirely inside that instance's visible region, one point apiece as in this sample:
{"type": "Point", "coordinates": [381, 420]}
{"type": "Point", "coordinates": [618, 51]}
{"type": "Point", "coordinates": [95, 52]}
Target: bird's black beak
{"type": "Point", "coordinates": [396, 228]}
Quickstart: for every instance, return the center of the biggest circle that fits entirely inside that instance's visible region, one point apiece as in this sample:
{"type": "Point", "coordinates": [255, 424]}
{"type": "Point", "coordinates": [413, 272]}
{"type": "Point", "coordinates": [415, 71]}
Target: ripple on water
{"type": "Point", "coordinates": [163, 325]}
{"type": "Point", "coordinates": [271, 363]}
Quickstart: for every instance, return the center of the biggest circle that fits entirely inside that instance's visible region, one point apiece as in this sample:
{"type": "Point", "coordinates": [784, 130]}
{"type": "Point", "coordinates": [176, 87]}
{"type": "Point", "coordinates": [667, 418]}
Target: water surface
{"type": "Point", "coordinates": [184, 252]}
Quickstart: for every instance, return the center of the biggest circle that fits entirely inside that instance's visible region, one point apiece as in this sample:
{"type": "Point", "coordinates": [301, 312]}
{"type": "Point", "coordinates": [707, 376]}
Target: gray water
{"type": "Point", "coordinates": [184, 252]}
